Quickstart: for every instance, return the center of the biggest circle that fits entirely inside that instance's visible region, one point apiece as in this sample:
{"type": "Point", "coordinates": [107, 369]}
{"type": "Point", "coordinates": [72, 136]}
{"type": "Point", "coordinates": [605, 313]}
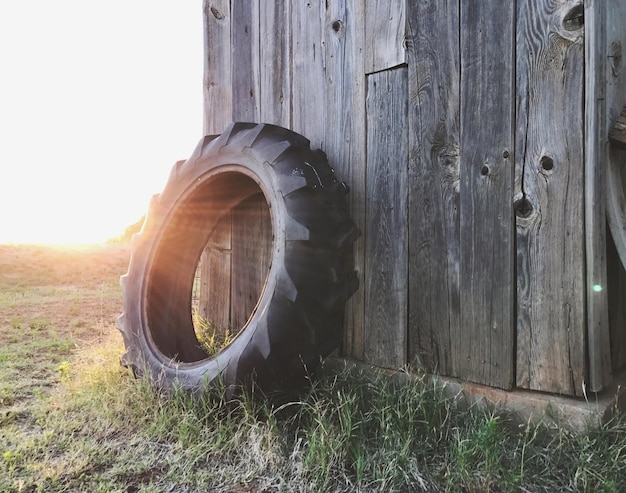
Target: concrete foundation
{"type": "Point", "coordinates": [532, 407]}
{"type": "Point", "coordinates": [523, 406]}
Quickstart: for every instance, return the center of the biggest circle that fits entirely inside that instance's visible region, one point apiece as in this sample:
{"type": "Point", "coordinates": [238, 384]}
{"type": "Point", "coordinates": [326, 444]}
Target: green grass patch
{"type": "Point", "coordinates": [100, 429]}
{"type": "Point", "coordinates": [212, 338]}
{"type": "Point", "coordinates": [73, 420]}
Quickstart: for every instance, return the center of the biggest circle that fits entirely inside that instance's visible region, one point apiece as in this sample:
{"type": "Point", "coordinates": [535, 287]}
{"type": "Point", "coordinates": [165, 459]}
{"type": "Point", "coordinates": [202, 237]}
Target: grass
{"type": "Point", "coordinates": [72, 419]}
{"type": "Point", "coordinates": [212, 338]}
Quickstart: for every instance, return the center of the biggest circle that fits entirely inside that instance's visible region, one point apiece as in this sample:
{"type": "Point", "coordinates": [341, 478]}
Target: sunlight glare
{"type": "Point", "coordinates": [98, 102]}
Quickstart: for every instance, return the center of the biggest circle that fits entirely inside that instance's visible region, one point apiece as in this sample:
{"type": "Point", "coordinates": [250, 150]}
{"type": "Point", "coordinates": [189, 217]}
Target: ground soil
{"type": "Point", "coordinates": [73, 288]}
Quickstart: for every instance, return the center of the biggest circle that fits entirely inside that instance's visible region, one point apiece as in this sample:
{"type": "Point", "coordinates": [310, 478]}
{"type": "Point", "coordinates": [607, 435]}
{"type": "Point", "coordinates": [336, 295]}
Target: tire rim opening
{"type": "Point", "coordinates": [211, 269]}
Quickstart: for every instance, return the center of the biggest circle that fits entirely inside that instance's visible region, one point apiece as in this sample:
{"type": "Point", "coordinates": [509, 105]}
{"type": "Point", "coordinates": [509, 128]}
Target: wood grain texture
{"type": "Point", "coordinates": [434, 183]}
{"type": "Point", "coordinates": [328, 107]}
{"type": "Point", "coordinates": [308, 71]}
{"type": "Point", "coordinates": [275, 63]}
{"type": "Point", "coordinates": [385, 23]}
{"type": "Point", "coordinates": [615, 53]}
{"type": "Point", "coordinates": [217, 88]}
{"type": "Point", "coordinates": [484, 352]}
{"type": "Point", "coordinates": [251, 256]}
{"type": "Point", "coordinates": [245, 61]}
{"type": "Point", "coordinates": [344, 136]}
{"type": "Point", "coordinates": [386, 248]}
{"type": "Point", "coordinates": [479, 141]}
{"type": "Point", "coordinates": [598, 332]}
{"type": "Point", "coordinates": [549, 201]}
{"type": "Point", "coordinates": [215, 276]}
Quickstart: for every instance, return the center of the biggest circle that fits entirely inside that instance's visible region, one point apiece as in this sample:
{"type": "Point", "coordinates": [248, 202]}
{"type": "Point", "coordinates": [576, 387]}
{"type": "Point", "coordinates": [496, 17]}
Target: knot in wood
{"type": "Point", "coordinates": [216, 13]}
{"type": "Point", "coordinates": [336, 25]}
{"type": "Point", "coordinates": [523, 208]}
{"type": "Point", "coordinates": [574, 19]}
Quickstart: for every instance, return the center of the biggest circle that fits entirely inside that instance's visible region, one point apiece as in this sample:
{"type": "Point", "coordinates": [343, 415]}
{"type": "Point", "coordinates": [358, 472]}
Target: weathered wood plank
{"type": "Point", "coordinates": [251, 256]}
{"type": "Point", "coordinates": [434, 182]}
{"type": "Point", "coordinates": [218, 98]}
{"type": "Point", "coordinates": [598, 332]}
{"type": "Point", "coordinates": [245, 60]}
{"type": "Point", "coordinates": [386, 248]}
{"type": "Point", "coordinates": [484, 351]}
{"type": "Point", "coordinates": [549, 211]}
{"type": "Point", "coordinates": [215, 276]}
{"type": "Point", "coordinates": [308, 71]}
{"type": "Point", "coordinates": [615, 61]}
{"type": "Point", "coordinates": [344, 136]}
{"type": "Point", "coordinates": [385, 23]}
{"type": "Point", "coordinates": [275, 63]}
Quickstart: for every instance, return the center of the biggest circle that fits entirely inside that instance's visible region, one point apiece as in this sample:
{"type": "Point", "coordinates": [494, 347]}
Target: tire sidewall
{"type": "Point", "coordinates": [182, 182]}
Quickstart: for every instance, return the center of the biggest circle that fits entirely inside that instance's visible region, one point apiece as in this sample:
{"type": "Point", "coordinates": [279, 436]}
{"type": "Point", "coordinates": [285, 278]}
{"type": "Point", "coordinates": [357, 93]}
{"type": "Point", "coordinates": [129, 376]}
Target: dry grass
{"type": "Point", "coordinates": [74, 288]}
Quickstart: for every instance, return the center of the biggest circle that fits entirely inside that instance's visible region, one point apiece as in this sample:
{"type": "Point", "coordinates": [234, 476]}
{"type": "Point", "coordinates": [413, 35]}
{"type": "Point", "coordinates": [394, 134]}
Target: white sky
{"type": "Point", "coordinates": [97, 102]}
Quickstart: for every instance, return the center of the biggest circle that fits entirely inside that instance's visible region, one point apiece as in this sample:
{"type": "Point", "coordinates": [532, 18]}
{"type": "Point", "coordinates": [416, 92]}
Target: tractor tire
{"type": "Point", "coordinates": [299, 317]}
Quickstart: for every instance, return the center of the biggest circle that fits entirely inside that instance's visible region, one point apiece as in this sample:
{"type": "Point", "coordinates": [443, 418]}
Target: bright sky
{"type": "Point", "coordinates": [97, 102]}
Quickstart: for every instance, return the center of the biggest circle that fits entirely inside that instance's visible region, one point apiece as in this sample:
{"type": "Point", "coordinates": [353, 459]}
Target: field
{"type": "Point", "coordinates": [72, 419]}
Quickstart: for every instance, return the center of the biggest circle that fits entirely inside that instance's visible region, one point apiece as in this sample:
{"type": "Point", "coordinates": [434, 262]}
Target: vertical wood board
{"type": "Point", "coordinates": [217, 66]}
{"type": "Point", "coordinates": [598, 331]}
{"type": "Point", "coordinates": [386, 248]}
{"type": "Point", "coordinates": [215, 276]}
{"type": "Point", "coordinates": [344, 136]}
{"type": "Point", "coordinates": [434, 183]}
{"type": "Point", "coordinates": [615, 53]}
{"type": "Point", "coordinates": [245, 61]}
{"type": "Point", "coordinates": [308, 82]}
{"type": "Point", "coordinates": [275, 63]}
{"type": "Point", "coordinates": [328, 108]}
{"type": "Point", "coordinates": [251, 256]}
{"type": "Point", "coordinates": [549, 210]}
{"type": "Point", "coordinates": [385, 43]}
{"type": "Point", "coordinates": [484, 352]}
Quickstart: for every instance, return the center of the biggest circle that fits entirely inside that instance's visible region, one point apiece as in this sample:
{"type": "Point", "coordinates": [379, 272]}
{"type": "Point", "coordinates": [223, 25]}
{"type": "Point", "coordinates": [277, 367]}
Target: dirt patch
{"type": "Point", "coordinates": [52, 265]}
{"type": "Point", "coordinates": [71, 290]}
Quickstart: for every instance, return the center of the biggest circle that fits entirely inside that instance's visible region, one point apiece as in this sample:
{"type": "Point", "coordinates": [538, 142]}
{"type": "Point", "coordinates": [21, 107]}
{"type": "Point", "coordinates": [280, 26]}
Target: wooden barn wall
{"type": "Point", "coordinates": [299, 65]}
{"type": "Point", "coordinates": [458, 126]}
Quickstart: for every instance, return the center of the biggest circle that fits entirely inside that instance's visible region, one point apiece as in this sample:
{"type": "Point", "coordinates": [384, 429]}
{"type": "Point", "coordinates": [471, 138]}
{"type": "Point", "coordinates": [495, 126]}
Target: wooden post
{"type": "Point", "coordinates": [595, 173]}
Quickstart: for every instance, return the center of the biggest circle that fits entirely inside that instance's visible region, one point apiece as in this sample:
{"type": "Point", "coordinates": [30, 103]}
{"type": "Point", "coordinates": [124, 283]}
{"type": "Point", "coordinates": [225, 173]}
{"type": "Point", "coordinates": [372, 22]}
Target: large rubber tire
{"type": "Point", "coordinates": [299, 316]}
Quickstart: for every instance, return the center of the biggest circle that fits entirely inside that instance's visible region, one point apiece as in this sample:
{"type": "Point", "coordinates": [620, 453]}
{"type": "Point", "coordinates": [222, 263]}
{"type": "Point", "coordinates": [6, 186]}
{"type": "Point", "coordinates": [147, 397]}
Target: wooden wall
{"type": "Point", "coordinates": [462, 129]}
